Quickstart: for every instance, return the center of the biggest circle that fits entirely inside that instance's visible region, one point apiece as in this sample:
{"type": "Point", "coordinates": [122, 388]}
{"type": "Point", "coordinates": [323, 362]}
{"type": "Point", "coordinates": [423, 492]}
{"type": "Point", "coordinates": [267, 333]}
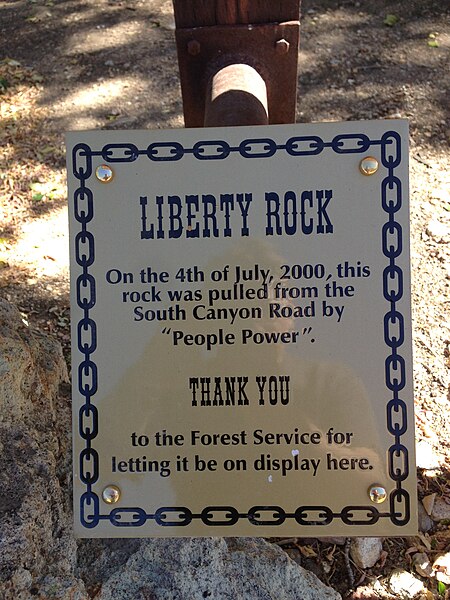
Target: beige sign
{"type": "Point", "coordinates": [241, 331]}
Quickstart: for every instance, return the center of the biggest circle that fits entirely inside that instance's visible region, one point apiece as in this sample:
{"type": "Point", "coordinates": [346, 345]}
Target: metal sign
{"type": "Point", "coordinates": [241, 331]}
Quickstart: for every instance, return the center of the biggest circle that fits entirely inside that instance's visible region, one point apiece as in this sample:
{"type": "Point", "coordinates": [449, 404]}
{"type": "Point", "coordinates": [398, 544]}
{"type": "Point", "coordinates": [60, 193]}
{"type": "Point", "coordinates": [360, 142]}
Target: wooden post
{"type": "Point", "coordinates": [204, 13]}
{"type": "Point", "coordinates": [238, 60]}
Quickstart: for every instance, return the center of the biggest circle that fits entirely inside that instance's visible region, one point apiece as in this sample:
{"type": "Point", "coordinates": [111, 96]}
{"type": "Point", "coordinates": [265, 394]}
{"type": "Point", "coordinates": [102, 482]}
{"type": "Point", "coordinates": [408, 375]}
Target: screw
{"type": "Point", "coordinates": [193, 47]}
{"type": "Point", "coordinates": [111, 494]}
{"type": "Point", "coordinates": [282, 46]}
{"type": "Point", "coordinates": [377, 493]}
{"type": "Point", "coordinates": [104, 173]}
{"type": "Point", "coordinates": [368, 165]}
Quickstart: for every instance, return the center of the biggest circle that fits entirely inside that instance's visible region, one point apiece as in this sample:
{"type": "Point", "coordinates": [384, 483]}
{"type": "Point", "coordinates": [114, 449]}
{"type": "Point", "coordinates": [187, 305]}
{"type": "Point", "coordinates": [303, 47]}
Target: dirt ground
{"type": "Point", "coordinates": [111, 64]}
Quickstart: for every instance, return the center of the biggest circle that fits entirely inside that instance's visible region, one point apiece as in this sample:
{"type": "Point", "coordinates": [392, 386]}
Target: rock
{"type": "Point", "coordinates": [442, 194]}
{"type": "Point", "coordinates": [441, 568]}
{"type": "Point", "coordinates": [39, 558]}
{"type": "Point", "coordinates": [441, 510]}
{"type": "Point", "coordinates": [438, 231]}
{"type": "Point", "coordinates": [364, 593]}
{"type": "Point", "coordinates": [426, 523]}
{"type": "Point", "coordinates": [188, 569]}
{"type": "Point", "coordinates": [405, 585]}
{"type": "Point", "coordinates": [366, 551]}
{"type": "Point", "coordinates": [35, 519]}
{"type": "Point", "coordinates": [338, 541]}
{"type": "Point", "coordinates": [426, 458]}
{"type": "Point", "coordinates": [422, 564]}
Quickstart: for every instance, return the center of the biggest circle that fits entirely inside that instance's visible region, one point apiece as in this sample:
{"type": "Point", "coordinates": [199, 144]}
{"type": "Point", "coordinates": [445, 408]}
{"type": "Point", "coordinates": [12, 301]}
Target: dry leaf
{"type": "Point", "coordinates": [425, 539]}
{"type": "Point", "coordinates": [382, 559]}
{"type": "Point", "coordinates": [307, 551]}
{"type": "Point", "coordinates": [428, 503]}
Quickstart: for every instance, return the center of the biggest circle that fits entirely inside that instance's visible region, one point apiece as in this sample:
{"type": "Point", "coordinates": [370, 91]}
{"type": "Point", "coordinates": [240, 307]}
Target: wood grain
{"type": "Point", "coordinates": [201, 13]}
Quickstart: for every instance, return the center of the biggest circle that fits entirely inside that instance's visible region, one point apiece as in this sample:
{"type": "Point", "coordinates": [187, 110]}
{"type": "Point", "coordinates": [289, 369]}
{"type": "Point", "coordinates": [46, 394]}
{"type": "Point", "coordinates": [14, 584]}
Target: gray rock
{"type": "Point", "coordinates": [193, 569]}
{"type": "Point", "coordinates": [422, 564]}
{"type": "Point", "coordinates": [426, 523]}
{"type": "Point", "coordinates": [35, 522]}
{"type": "Point", "coordinates": [39, 558]}
{"type": "Point", "coordinates": [405, 585]}
{"type": "Point", "coordinates": [366, 551]}
{"type": "Point", "coordinates": [441, 510]}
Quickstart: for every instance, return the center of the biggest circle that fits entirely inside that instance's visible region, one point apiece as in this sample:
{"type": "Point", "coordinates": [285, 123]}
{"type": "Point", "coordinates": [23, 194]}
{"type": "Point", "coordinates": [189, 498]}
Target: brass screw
{"type": "Point", "coordinates": [282, 46]}
{"type": "Point", "coordinates": [111, 494]}
{"type": "Point", "coordinates": [369, 165]}
{"type": "Point", "coordinates": [193, 47]}
{"type": "Point", "coordinates": [377, 493]}
{"type": "Point", "coordinates": [104, 173]}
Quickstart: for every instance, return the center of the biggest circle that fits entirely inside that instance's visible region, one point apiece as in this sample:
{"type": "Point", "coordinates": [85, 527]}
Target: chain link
{"type": "Point", "coordinates": [349, 514]}
{"type": "Point", "coordinates": [110, 153]}
{"type": "Point", "coordinates": [220, 149]}
{"type": "Point", "coordinates": [89, 509]}
{"type": "Point", "coordinates": [391, 194]}
{"type": "Point", "coordinates": [86, 335]}
{"type": "Point", "coordinates": [83, 194]}
{"type": "Point", "coordinates": [128, 517]}
{"type": "Point", "coordinates": [398, 462]}
{"type": "Point", "coordinates": [400, 506]}
{"type": "Point", "coordinates": [231, 515]}
{"type": "Point", "coordinates": [86, 281]}
{"type": "Point", "coordinates": [88, 422]}
{"type": "Point", "coordinates": [176, 151]}
{"type": "Point", "coordinates": [393, 275]}
{"type": "Point", "coordinates": [84, 242]}
{"type": "Point", "coordinates": [395, 372]}
{"type": "Point", "coordinates": [180, 516]}
{"type": "Point", "coordinates": [324, 515]}
{"type": "Point", "coordinates": [87, 344]}
{"type": "Point", "coordinates": [362, 143]}
{"type": "Point", "coordinates": [397, 421]}
{"type": "Point", "coordinates": [87, 378]}
{"type": "Point", "coordinates": [394, 339]}
{"type": "Point", "coordinates": [397, 416]}
{"type": "Point", "coordinates": [82, 161]}
{"type": "Point", "coordinates": [392, 240]}
{"type": "Point", "coordinates": [184, 516]}
{"type": "Point", "coordinates": [200, 150]}
{"type": "Point", "coordinates": [247, 148]}
{"type": "Point", "coordinates": [278, 515]}
{"type": "Point", "coordinates": [314, 145]}
{"type": "Point", "coordinates": [88, 465]}
{"type": "Point", "coordinates": [391, 141]}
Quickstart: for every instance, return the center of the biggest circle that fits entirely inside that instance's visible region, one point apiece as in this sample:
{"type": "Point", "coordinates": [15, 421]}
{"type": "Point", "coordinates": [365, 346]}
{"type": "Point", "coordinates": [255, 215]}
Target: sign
{"type": "Point", "coordinates": [241, 331]}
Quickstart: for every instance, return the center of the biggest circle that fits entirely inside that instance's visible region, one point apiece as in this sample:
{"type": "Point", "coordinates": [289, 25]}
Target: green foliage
{"type": "Point", "coordinates": [432, 40]}
{"type": "Point", "coordinates": [391, 20]}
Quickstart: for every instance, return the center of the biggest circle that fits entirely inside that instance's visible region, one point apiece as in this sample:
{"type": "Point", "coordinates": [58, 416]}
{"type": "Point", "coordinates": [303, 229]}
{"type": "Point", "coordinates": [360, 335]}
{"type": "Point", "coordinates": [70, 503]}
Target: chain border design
{"type": "Point", "coordinates": [395, 367]}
